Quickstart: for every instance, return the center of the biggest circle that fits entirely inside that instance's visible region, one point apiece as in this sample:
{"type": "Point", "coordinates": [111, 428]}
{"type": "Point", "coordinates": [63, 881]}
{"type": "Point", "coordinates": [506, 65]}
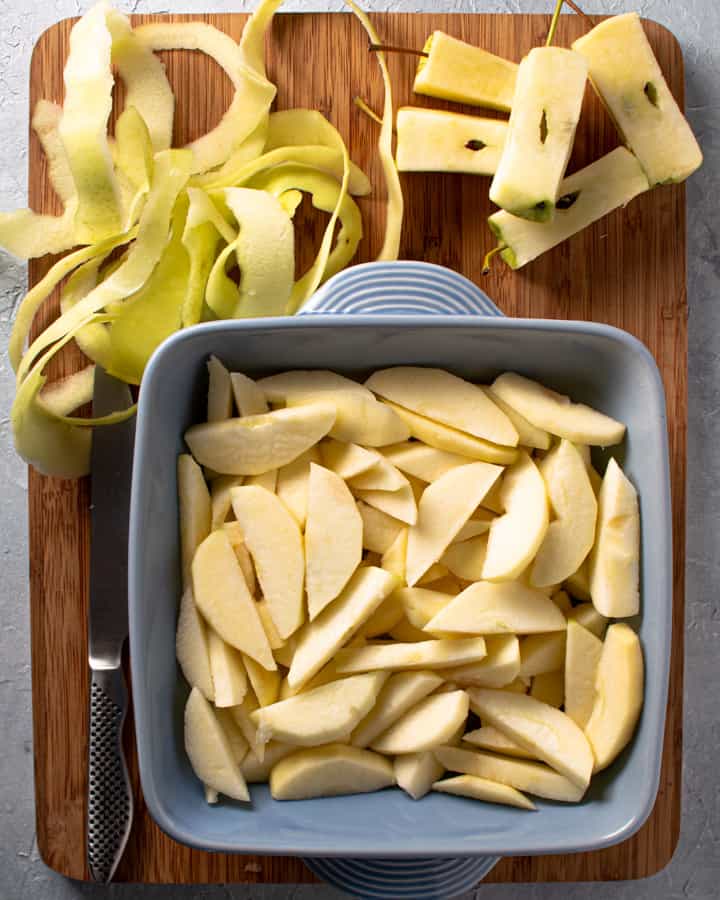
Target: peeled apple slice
{"type": "Point", "coordinates": [582, 658]}
{"type": "Point", "coordinates": [444, 508]}
{"type": "Point", "coordinates": [209, 750]}
{"type": "Point", "coordinates": [570, 535]}
{"type": "Point", "coordinates": [483, 789]}
{"type": "Point", "coordinates": [256, 771]}
{"type": "Point", "coordinates": [515, 537]}
{"type": "Point", "coordinates": [466, 559]}
{"type": "Point", "coordinates": [333, 538]}
{"type": "Point", "coordinates": [546, 732]}
{"type": "Point", "coordinates": [455, 70]}
{"type": "Point", "coordinates": [433, 140]}
{"type": "Point", "coordinates": [546, 108]}
{"type": "Point", "coordinates": [549, 688]}
{"type": "Point", "coordinates": [320, 716]}
{"type": "Point", "coordinates": [320, 640]}
{"type": "Point", "coordinates": [528, 434]}
{"type": "Point", "coordinates": [421, 604]}
{"type": "Point", "coordinates": [360, 420]}
{"type": "Point", "coordinates": [191, 647]}
{"type": "Point", "coordinates": [265, 684]}
{"type": "Point", "coordinates": [487, 608]}
{"type": "Point", "coordinates": [399, 504]}
{"type": "Point", "coordinates": [445, 398]}
{"type": "Point", "coordinates": [383, 476]}
{"type": "Point", "coordinates": [586, 615]}
{"type": "Point", "coordinates": [489, 738]}
{"type": "Point", "coordinates": [292, 484]}
{"type": "Point", "coordinates": [442, 437]}
{"type": "Point", "coordinates": [523, 775]}
{"type": "Point", "coordinates": [619, 695]}
{"type": "Point", "coordinates": [400, 692]}
{"type": "Point", "coordinates": [583, 197]}
{"type": "Point", "coordinates": [626, 75]}
{"type": "Point", "coordinates": [422, 655]}
{"type": "Point", "coordinates": [346, 460]}
{"type": "Point", "coordinates": [498, 669]}
{"type": "Point", "coordinates": [416, 772]}
{"type": "Point", "coordinates": [614, 569]}
{"type": "Point", "coordinates": [278, 388]}
{"type": "Point", "coordinates": [540, 653]}
{"type": "Point", "coordinates": [275, 543]}
{"type": "Point", "coordinates": [421, 461]}
{"type": "Point", "coordinates": [194, 509]}
{"type": "Point", "coordinates": [429, 724]}
{"type": "Point", "coordinates": [252, 445]}
{"type": "Point", "coordinates": [329, 771]}
{"type": "Point", "coordinates": [228, 672]}
{"type": "Point", "coordinates": [379, 529]}
{"type": "Point", "coordinates": [222, 596]}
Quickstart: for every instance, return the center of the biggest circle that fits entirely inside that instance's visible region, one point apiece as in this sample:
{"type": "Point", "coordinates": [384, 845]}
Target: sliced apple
{"type": "Point", "coordinates": [483, 789]}
{"type": "Point", "coordinates": [445, 398]}
{"type": "Point", "coordinates": [275, 543]}
{"type": "Point", "coordinates": [254, 444]}
{"type": "Point", "coordinates": [321, 639]}
{"type": "Point", "coordinates": [581, 663]}
{"type": "Point", "coordinates": [509, 607]}
{"type": "Point", "coordinates": [209, 750]}
{"type": "Point", "coordinates": [570, 535]}
{"type": "Point", "coordinates": [615, 559]}
{"type": "Point", "coordinates": [320, 716]}
{"type": "Point", "coordinates": [267, 480]}
{"type": "Point", "coordinates": [489, 738]}
{"type": "Point", "coordinates": [479, 524]}
{"type": "Point", "coordinates": [549, 687]}
{"type": "Point", "coordinates": [562, 601]}
{"type": "Point", "coordinates": [399, 693]}
{"type": "Point", "coordinates": [221, 505]}
{"type": "Point", "coordinates": [395, 557]}
{"type": "Point", "coordinates": [292, 484]}
{"type": "Point", "coordinates": [500, 667]}
{"type": "Point", "coordinates": [330, 771]}
{"type": "Point", "coordinates": [249, 397]}
{"type": "Point", "coordinates": [421, 461]}
{"type": "Point", "coordinates": [578, 584]}
{"type": "Point", "coordinates": [271, 632]}
{"type": "Point", "coordinates": [416, 772]}
{"type": "Point", "coordinates": [542, 653]}
{"type": "Point", "coordinates": [256, 771]}
{"type": "Point", "coordinates": [467, 558]}
{"type": "Point", "coordinates": [435, 573]}
{"type": "Point", "coordinates": [346, 460]}
{"type": "Point", "coordinates": [228, 672]}
{"type": "Point", "coordinates": [379, 529]}
{"type": "Point", "coordinates": [424, 655]}
{"type": "Point", "coordinates": [222, 597]}
{"type": "Point", "coordinates": [546, 732]}
{"type": "Point", "coordinates": [219, 402]}
{"type": "Point", "coordinates": [421, 604]}
{"type": "Point", "coordinates": [406, 633]}
{"type": "Point", "coordinates": [399, 504]}
{"type": "Point", "coordinates": [556, 413]}
{"type": "Point", "coordinates": [430, 723]}
{"type": "Point", "coordinates": [278, 388]}
{"type": "Point", "coordinates": [586, 615]}
{"type": "Point", "coordinates": [383, 476]}
{"type": "Point", "coordinates": [236, 739]}
{"type": "Point", "coordinates": [191, 647]}
{"type": "Point", "coordinates": [266, 685]}
{"type": "Point", "coordinates": [445, 507]}
{"type": "Point", "coordinates": [443, 437]}
{"type": "Point", "coordinates": [242, 717]}
{"type": "Point", "coordinates": [387, 615]}
{"type": "Point", "coordinates": [195, 511]}
{"type": "Point", "coordinates": [528, 434]}
{"type": "Point", "coordinates": [515, 537]}
{"type": "Point", "coordinates": [518, 686]}
{"type": "Point", "coordinates": [618, 695]}
{"type": "Point", "coordinates": [523, 775]}
{"type": "Point", "coordinates": [333, 538]}
{"type": "Point", "coordinates": [237, 541]}
{"type": "Point", "coordinates": [360, 419]}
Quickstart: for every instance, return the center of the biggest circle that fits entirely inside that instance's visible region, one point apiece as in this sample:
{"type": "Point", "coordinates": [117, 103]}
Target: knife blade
{"type": "Point", "coordinates": [110, 799]}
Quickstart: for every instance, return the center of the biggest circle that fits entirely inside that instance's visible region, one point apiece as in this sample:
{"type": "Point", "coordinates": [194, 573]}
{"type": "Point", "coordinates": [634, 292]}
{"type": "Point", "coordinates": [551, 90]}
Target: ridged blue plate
{"type": "Point", "coordinates": [402, 288]}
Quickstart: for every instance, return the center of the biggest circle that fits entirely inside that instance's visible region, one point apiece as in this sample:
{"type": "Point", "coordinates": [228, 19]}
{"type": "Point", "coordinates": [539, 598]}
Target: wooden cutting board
{"type": "Point", "coordinates": [628, 270]}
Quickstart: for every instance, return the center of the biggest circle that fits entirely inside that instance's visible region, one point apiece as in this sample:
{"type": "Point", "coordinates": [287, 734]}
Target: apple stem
{"type": "Point", "coordinates": [554, 22]}
{"type": "Point", "coordinates": [487, 261]}
{"type": "Point", "coordinates": [368, 110]}
{"type": "Point", "coordinates": [389, 48]}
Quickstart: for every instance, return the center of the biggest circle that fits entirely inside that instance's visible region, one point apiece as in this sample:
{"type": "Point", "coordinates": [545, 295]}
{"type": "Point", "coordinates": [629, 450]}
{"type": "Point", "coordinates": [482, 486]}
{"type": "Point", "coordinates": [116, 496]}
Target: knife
{"type": "Point", "coordinates": [110, 799]}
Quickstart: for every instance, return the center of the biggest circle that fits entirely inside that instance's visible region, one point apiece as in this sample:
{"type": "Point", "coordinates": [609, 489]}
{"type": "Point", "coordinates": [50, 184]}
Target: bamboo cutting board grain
{"type": "Point", "coordinates": [628, 270]}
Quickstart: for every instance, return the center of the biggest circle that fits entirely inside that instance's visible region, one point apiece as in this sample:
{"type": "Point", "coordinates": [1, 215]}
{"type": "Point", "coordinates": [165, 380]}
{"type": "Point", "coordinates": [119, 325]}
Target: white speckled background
{"type": "Point", "coordinates": [694, 873]}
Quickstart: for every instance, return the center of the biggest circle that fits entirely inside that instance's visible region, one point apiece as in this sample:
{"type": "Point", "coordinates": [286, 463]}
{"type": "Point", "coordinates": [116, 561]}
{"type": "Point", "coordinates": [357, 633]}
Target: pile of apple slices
{"type": "Point", "coordinates": [368, 568]}
{"type": "Point", "coordinates": [528, 154]}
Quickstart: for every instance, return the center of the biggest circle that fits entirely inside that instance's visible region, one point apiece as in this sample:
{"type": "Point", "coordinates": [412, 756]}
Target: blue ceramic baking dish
{"type": "Point", "coordinates": [596, 364]}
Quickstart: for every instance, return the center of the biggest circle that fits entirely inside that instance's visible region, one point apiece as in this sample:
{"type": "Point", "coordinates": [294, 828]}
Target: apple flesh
{"type": "Point", "coordinates": [400, 692]}
{"type": "Point", "coordinates": [329, 771]}
{"type": "Point", "coordinates": [380, 530]}
{"type": "Point", "coordinates": [483, 789]}
{"type": "Point", "coordinates": [249, 397]}
{"type": "Point", "coordinates": [500, 667]}
{"type": "Point", "coordinates": [549, 687]}
{"type": "Point", "coordinates": [279, 388]}
{"type": "Point", "coordinates": [228, 672]}
{"type": "Point", "coordinates": [195, 511]}
{"type": "Point", "coordinates": [416, 772]}
{"type": "Point", "coordinates": [489, 738]}
{"type": "Point", "coordinates": [541, 653]}
{"type": "Point", "coordinates": [346, 459]}
{"type": "Point", "coordinates": [581, 663]}
{"type": "Point", "coordinates": [191, 647]}
{"type": "Point", "coordinates": [359, 419]}
{"type": "Point", "coordinates": [219, 403]}
{"type": "Point", "coordinates": [432, 722]}
{"type": "Point", "coordinates": [421, 655]}
{"type": "Point", "coordinates": [421, 461]}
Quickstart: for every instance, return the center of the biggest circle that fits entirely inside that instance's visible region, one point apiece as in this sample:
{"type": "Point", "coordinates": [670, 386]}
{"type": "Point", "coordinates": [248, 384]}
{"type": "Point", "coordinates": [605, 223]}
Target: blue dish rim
{"type": "Point", "coordinates": [322, 321]}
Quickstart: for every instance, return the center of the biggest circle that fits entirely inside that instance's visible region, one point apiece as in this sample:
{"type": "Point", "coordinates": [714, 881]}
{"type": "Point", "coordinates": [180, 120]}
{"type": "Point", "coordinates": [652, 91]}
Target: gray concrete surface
{"type": "Point", "coordinates": [694, 873]}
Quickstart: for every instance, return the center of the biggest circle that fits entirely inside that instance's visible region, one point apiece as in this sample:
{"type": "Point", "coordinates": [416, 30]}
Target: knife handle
{"type": "Point", "coordinates": [110, 799]}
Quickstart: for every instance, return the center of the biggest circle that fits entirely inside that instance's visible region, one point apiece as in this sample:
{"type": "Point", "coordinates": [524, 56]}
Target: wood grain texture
{"type": "Point", "coordinates": [628, 270]}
